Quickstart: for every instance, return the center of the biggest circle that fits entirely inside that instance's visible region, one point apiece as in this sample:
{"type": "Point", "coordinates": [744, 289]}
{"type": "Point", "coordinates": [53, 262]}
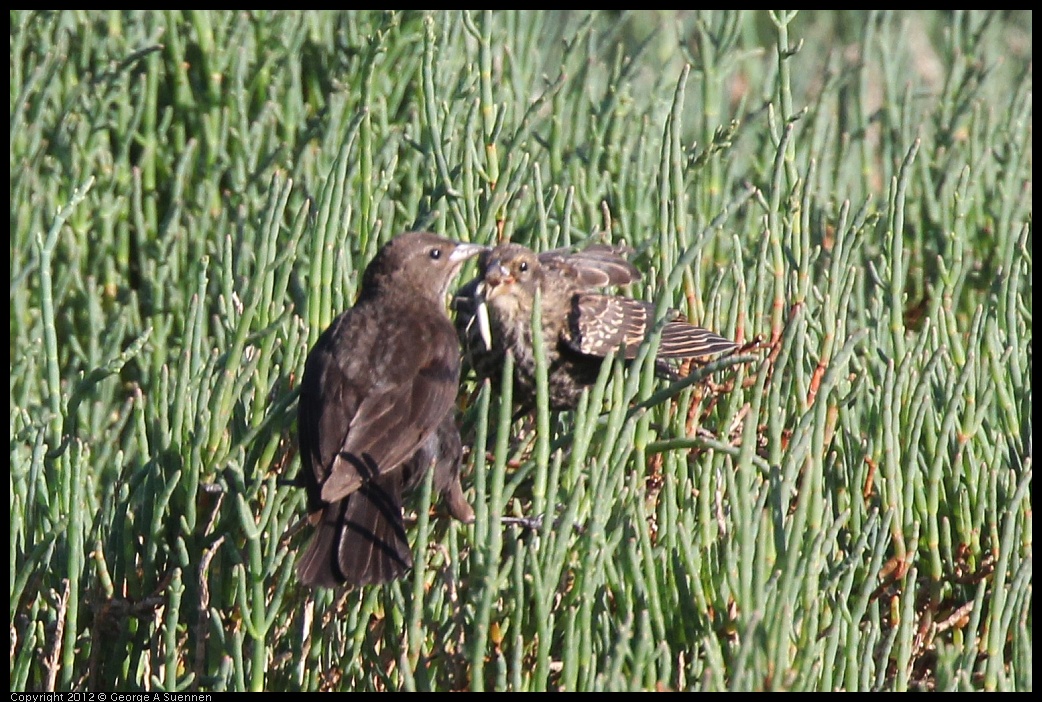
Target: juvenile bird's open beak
{"type": "Point", "coordinates": [496, 276]}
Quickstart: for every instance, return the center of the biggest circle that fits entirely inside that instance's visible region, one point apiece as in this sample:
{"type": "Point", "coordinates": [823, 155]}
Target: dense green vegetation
{"type": "Point", "coordinates": [844, 505]}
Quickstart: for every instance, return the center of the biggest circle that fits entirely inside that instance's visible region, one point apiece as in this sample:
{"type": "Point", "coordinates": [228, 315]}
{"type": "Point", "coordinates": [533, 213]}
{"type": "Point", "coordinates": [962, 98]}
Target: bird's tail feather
{"type": "Point", "coordinates": [359, 539]}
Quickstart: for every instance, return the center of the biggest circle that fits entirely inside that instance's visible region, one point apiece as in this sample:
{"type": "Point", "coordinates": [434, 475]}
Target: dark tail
{"type": "Point", "coordinates": [683, 340]}
{"type": "Point", "coordinates": [359, 539]}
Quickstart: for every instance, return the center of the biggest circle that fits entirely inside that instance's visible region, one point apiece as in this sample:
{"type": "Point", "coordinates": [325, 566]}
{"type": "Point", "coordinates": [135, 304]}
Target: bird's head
{"type": "Point", "coordinates": [420, 262]}
{"type": "Point", "coordinates": [511, 274]}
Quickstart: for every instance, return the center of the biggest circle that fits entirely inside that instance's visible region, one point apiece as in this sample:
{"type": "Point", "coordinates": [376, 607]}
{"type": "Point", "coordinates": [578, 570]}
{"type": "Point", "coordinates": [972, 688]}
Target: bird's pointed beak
{"type": "Point", "coordinates": [464, 251]}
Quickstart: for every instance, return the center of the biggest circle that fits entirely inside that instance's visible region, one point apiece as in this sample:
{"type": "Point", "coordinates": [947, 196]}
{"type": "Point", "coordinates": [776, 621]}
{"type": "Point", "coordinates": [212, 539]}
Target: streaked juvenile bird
{"type": "Point", "coordinates": [579, 325]}
{"type": "Point", "coordinates": [376, 412]}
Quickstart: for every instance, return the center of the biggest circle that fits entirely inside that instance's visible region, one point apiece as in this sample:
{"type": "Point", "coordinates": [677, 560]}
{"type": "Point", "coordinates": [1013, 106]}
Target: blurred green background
{"type": "Point", "coordinates": [845, 505]}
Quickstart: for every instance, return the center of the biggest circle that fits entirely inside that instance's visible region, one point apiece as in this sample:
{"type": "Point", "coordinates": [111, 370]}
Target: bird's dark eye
{"type": "Point", "coordinates": [523, 266]}
{"type": "Point", "coordinates": [435, 254]}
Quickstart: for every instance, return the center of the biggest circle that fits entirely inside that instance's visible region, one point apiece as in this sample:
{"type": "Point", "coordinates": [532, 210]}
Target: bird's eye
{"type": "Point", "coordinates": [523, 266]}
{"type": "Point", "coordinates": [435, 254]}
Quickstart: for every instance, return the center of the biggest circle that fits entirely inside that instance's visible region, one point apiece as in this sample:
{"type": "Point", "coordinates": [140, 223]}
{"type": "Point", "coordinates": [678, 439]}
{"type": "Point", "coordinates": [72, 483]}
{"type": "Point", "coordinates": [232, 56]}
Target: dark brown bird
{"type": "Point", "coordinates": [376, 411]}
{"type": "Point", "coordinates": [579, 326]}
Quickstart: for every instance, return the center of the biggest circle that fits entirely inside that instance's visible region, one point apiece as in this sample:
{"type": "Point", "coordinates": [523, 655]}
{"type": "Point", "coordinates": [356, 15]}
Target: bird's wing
{"type": "Point", "coordinates": [598, 324]}
{"type": "Point", "coordinates": [393, 419]}
{"type": "Point", "coordinates": [596, 266]}
{"type": "Point", "coordinates": [602, 323]}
